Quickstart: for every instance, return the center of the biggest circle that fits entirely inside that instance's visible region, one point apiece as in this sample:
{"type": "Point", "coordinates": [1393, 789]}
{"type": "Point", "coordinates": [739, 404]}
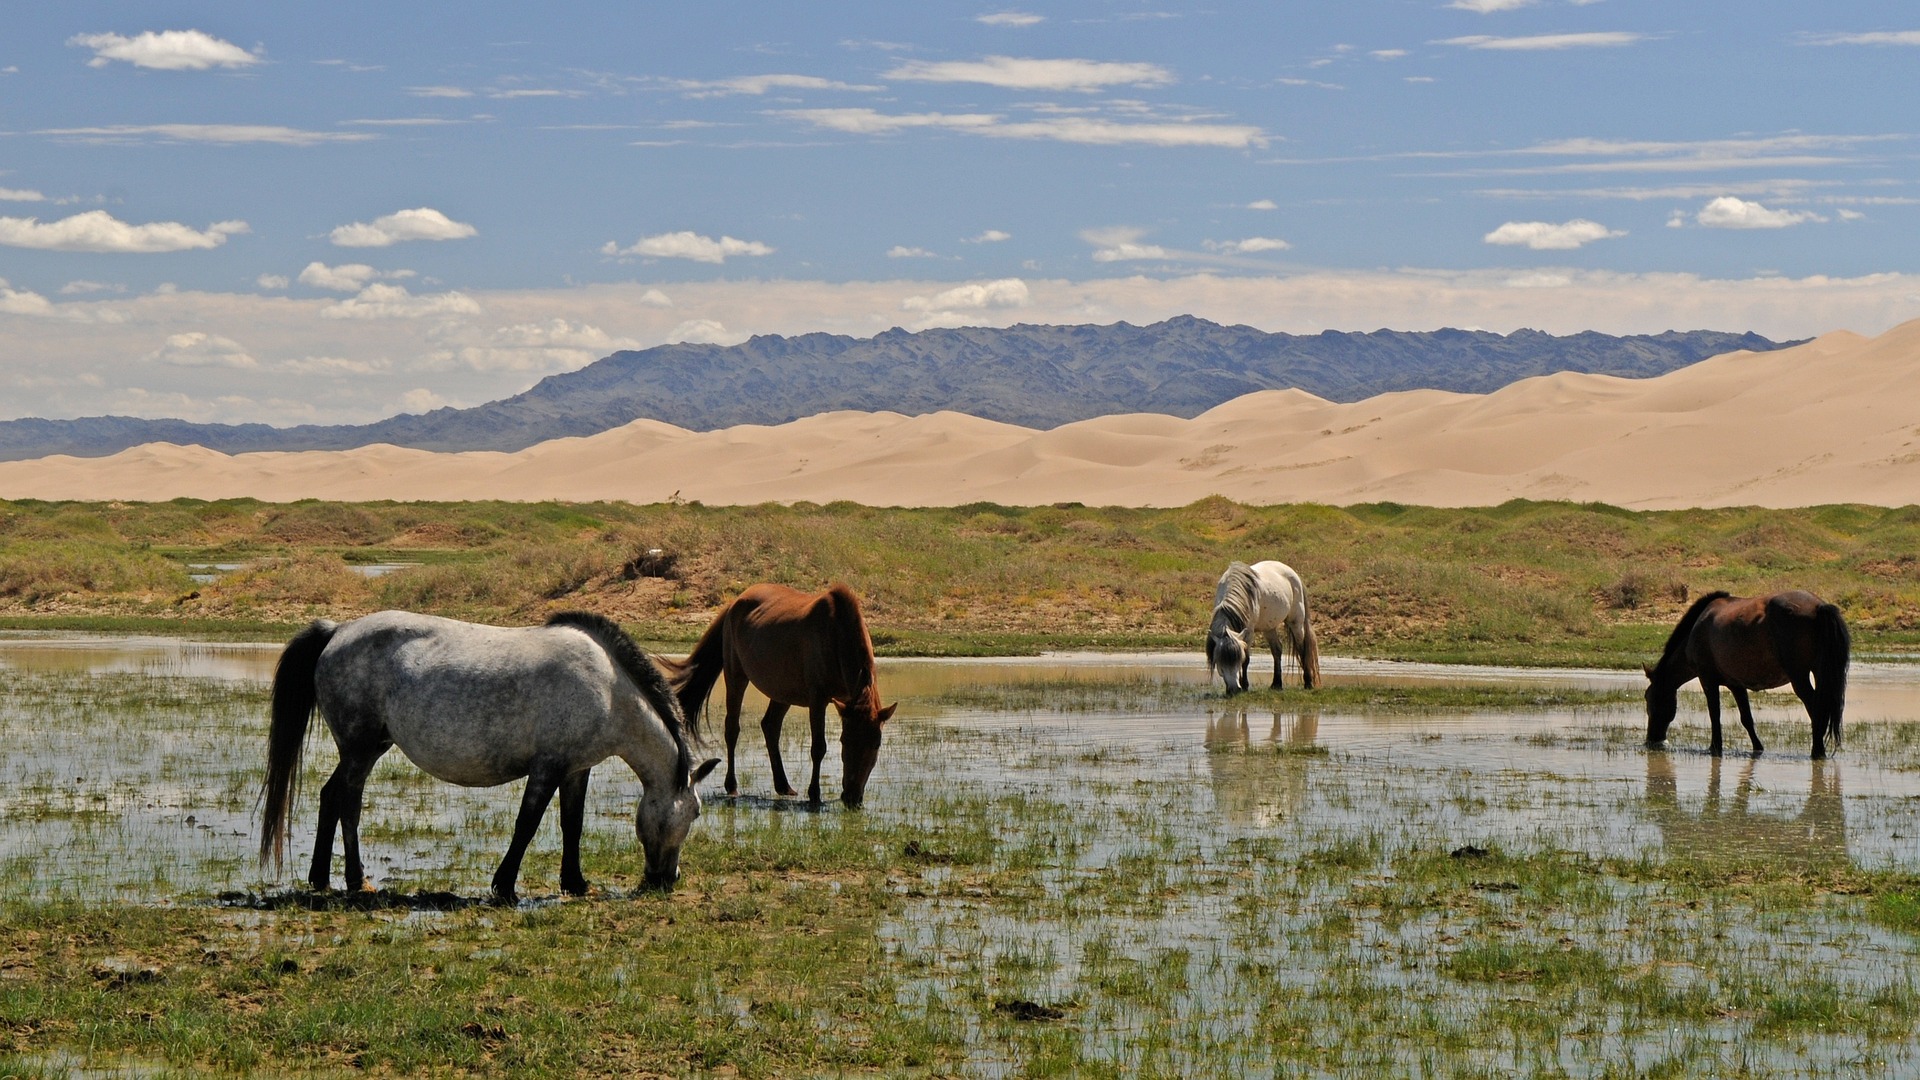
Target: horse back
{"type": "Point", "coordinates": [1736, 639]}
{"type": "Point", "coordinates": [799, 647]}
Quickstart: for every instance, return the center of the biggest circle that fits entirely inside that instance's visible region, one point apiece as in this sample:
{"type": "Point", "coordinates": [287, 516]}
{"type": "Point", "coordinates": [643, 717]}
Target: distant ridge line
{"type": "Point", "coordinates": [1036, 376]}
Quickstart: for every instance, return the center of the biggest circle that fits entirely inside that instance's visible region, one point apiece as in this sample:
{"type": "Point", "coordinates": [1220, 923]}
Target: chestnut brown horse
{"type": "Point", "coordinates": [799, 649]}
{"type": "Point", "coordinates": [1755, 643]}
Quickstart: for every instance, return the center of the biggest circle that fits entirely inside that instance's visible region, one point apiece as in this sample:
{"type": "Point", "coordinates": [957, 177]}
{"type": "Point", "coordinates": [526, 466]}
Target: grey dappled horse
{"type": "Point", "coordinates": [479, 706]}
{"type": "Point", "coordinates": [1265, 598]}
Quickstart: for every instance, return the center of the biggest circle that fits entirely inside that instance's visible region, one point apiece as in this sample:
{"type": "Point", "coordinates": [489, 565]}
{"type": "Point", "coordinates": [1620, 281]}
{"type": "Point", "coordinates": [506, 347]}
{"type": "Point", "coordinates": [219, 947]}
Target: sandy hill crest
{"type": "Point", "coordinates": [1832, 420]}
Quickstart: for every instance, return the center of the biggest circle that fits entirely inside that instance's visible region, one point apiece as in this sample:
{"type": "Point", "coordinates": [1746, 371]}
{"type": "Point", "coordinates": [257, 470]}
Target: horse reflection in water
{"type": "Point", "coordinates": [1724, 831]}
{"type": "Point", "coordinates": [1260, 785]}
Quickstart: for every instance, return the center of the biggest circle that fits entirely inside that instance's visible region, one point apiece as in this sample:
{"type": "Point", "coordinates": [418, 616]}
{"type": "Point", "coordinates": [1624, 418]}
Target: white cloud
{"type": "Point", "coordinates": [165, 50]}
{"type": "Point", "coordinates": [703, 332]}
{"type": "Point", "coordinates": [1597, 39]}
{"type": "Point", "coordinates": [655, 298]}
{"type": "Point", "coordinates": [420, 223]}
{"type": "Point", "coordinates": [1015, 73]}
{"type": "Point", "coordinates": [347, 277]}
{"type": "Point", "coordinates": [272, 134]}
{"type": "Point", "coordinates": [1849, 215]}
{"type": "Point", "coordinates": [1121, 243]}
{"type": "Point", "coordinates": [439, 91]}
{"type": "Point", "coordinates": [1263, 204]}
{"type": "Point", "coordinates": [1073, 129]}
{"type": "Point", "coordinates": [1728, 212]}
{"type": "Point", "coordinates": [379, 301]}
{"type": "Point", "coordinates": [20, 195]}
{"type": "Point", "coordinates": [1548, 236]}
{"type": "Point", "coordinates": [421, 400]}
{"type": "Point", "coordinates": [1487, 7]}
{"type": "Point", "coordinates": [757, 85]}
{"type": "Point", "coordinates": [21, 302]}
{"type": "Point", "coordinates": [981, 296]}
{"type": "Point", "coordinates": [1252, 245]}
{"type": "Point", "coordinates": [1387, 54]}
{"type": "Point", "coordinates": [83, 287]}
{"type": "Point", "coordinates": [901, 251]}
{"type": "Point", "coordinates": [688, 244]}
{"type": "Point", "coordinates": [1878, 37]}
{"type": "Point", "coordinates": [1010, 18]}
{"type": "Point", "coordinates": [97, 230]}
{"type": "Point", "coordinates": [331, 366]}
{"type": "Point", "coordinates": [198, 349]}
{"type": "Point", "coordinates": [272, 281]}
{"type": "Point", "coordinates": [551, 345]}
{"type": "Point", "coordinates": [990, 236]}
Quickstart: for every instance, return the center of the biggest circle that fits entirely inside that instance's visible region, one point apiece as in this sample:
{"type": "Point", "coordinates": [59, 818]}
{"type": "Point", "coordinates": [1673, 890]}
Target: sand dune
{"type": "Point", "coordinates": [1834, 420]}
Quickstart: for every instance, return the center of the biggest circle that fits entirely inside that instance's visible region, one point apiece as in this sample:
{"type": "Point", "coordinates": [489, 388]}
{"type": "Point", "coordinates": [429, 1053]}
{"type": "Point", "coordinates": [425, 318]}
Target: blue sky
{"type": "Point", "coordinates": [332, 213]}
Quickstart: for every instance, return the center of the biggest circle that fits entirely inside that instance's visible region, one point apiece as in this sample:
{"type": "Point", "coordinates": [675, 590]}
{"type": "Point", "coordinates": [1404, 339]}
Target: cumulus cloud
{"type": "Point", "coordinates": [272, 281]}
{"type": "Point", "coordinates": [757, 85]}
{"type": "Point", "coordinates": [83, 287]}
{"type": "Point", "coordinates": [331, 366]}
{"type": "Point", "coordinates": [420, 223]}
{"type": "Point", "coordinates": [1600, 39]}
{"type": "Point", "coordinates": [901, 251]}
{"type": "Point", "coordinates": [1388, 54]}
{"type": "Point", "coordinates": [1010, 18]}
{"type": "Point", "coordinates": [165, 50]}
{"type": "Point", "coordinates": [20, 195]}
{"type": "Point", "coordinates": [1877, 37]}
{"type": "Point", "coordinates": [97, 230]}
{"type": "Point", "coordinates": [980, 296]}
{"type": "Point", "coordinates": [1550, 236]}
{"type": "Point", "coordinates": [1729, 212]}
{"type": "Point", "coordinates": [421, 400]}
{"type": "Point", "coordinates": [1016, 73]}
{"type": "Point", "coordinates": [1252, 245]}
{"type": "Point", "coordinates": [21, 302]}
{"type": "Point", "coordinates": [990, 236]}
{"type": "Point", "coordinates": [1120, 243]}
{"type": "Point", "coordinates": [198, 349]}
{"type": "Point", "coordinates": [688, 244]}
{"type": "Point", "coordinates": [273, 134]}
{"type": "Point", "coordinates": [379, 301]}
{"type": "Point", "coordinates": [1263, 204]}
{"type": "Point", "coordinates": [1487, 7]}
{"type": "Point", "coordinates": [546, 346]}
{"type": "Point", "coordinates": [347, 277]}
{"type": "Point", "coordinates": [654, 298]}
{"type": "Point", "coordinates": [1086, 130]}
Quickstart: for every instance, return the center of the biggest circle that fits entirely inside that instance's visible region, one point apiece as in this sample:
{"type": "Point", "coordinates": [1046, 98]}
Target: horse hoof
{"type": "Point", "coordinates": [574, 888]}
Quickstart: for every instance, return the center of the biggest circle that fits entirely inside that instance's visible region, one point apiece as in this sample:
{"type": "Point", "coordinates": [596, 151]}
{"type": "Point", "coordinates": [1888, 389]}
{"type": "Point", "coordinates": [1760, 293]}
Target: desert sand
{"type": "Point", "coordinates": [1834, 420]}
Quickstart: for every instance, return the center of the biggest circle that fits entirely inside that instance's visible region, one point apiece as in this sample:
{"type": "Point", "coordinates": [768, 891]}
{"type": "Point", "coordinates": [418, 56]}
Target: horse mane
{"type": "Point", "coordinates": [1236, 597]}
{"type": "Point", "coordinates": [854, 647]}
{"type": "Point", "coordinates": [1677, 639]}
{"type": "Point", "coordinates": [640, 668]}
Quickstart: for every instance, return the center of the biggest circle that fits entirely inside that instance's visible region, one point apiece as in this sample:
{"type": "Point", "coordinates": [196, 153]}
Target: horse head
{"type": "Point", "coordinates": [1227, 653]}
{"type": "Point", "coordinates": [663, 821]}
{"type": "Point", "coordinates": [1663, 701]}
{"type": "Point", "coordinates": [862, 721]}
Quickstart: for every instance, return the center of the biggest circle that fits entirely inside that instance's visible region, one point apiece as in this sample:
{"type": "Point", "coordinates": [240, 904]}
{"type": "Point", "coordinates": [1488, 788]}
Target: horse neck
{"type": "Point", "coordinates": [653, 753]}
{"type": "Point", "coordinates": [853, 649]}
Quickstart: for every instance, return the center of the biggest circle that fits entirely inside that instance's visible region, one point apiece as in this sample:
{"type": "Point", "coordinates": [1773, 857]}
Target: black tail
{"type": "Point", "coordinates": [692, 679]}
{"type": "Point", "coordinates": [1830, 667]}
{"type": "Point", "coordinates": [293, 702]}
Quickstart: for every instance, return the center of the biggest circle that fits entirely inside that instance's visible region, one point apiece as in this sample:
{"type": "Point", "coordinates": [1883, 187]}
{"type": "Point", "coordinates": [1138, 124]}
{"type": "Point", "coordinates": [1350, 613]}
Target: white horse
{"type": "Point", "coordinates": [1266, 597]}
{"type": "Point", "coordinates": [479, 706]}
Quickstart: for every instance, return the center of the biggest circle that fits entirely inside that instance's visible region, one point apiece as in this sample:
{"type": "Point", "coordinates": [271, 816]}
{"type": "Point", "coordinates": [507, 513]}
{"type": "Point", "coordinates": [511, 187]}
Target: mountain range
{"type": "Point", "coordinates": [1030, 375]}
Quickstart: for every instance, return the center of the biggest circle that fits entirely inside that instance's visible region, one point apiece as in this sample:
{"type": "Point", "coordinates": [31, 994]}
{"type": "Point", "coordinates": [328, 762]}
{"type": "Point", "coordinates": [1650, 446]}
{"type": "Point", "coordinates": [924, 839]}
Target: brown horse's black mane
{"type": "Point", "coordinates": [641, 669]}
{"type": "Point", "coordinates": [856, 652]}
{"type": "Point", "coordinates": [1677, 640]}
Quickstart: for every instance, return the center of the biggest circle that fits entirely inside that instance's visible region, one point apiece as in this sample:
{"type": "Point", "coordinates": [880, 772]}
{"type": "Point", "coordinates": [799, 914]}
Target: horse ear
{"type": "Point", "coordinates": [700, 773]}
{"type": "Point", "coordinates": [882, 716]}
{"type": "Point", "coordinates": [1648, 670]}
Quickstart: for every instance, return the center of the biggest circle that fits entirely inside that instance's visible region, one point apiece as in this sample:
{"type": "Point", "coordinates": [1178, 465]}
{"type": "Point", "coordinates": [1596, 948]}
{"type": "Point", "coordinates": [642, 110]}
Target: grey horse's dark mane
{"type": "Point", "coordinates": [1236, 603]}
{"type": "Point", "coordinates": [642, 670]}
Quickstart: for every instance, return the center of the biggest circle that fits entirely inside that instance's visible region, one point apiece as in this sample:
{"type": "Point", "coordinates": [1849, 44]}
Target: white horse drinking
{"type": "Point", "coordinates": [1266, 598]}
{"type": "Point", "coordinates": [479, 706]}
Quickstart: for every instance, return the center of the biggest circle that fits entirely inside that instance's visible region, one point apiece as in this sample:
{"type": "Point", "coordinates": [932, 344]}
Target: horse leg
{"type": "Point", "coordinates": [1278, 650]}
{"type": "Point", "coordinates": [1712, 690]}
{"type": "Point", "coordinates": [541, 784]}
{"type": "Point", "coordinates": [573, 817]}
{"type": "Point", "coordinates": [1803, 688]}
{"type": "Point", "coordinates": [817, 723]}
{"type": "Point", "coordinates": [736, 696]}
{"type": "Point", "coordinates": [340, 803]}
{"type": "Point", "coordinates": [1746, 715]}
{"type": "Point", "coordinates": [770, 727]}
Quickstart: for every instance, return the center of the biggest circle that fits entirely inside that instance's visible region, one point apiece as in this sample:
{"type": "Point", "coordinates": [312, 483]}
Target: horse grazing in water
{"type": "Point", "coordinates": [799, 649]}
{"type": "Point", "coordinates": [1267, 598]}
{"type": "Point", "coordinates": [1754, 643]}
{"type": "Point", "coordinates": [478, 706]}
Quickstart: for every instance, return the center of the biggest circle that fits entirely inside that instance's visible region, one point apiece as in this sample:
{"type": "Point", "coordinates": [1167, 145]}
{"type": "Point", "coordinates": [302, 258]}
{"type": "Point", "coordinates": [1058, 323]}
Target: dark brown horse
{"type": "Point", "coordinates": [1754, 643]}
{"type": "Point", "coordinates": [799, 649]}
